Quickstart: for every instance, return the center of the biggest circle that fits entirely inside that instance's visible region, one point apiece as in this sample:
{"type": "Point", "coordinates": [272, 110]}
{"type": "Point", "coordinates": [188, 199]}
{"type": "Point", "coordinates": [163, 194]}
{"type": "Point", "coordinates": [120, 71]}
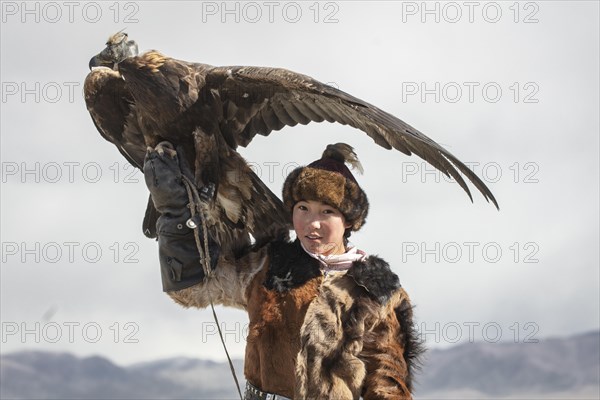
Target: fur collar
{"type": "Point", "coordinates": [375, 275]}
{"type": "Point", "coordinates": [290, 266]}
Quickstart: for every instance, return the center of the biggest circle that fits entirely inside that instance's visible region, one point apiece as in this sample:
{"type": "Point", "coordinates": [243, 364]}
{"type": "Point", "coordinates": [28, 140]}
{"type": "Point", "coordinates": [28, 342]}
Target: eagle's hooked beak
{"type": "Point", "coordinates": [106, 58]}
{"type": "Point", "coordinates": [97, 62]}
{"type": "Point", "coordinates": [113, 54]}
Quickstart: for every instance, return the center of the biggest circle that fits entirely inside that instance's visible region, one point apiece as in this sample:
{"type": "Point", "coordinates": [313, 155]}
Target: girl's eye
{"type": "Point", "coordinates": [303, 208]}
{"type": "Point", "coordinates": [328, 212]}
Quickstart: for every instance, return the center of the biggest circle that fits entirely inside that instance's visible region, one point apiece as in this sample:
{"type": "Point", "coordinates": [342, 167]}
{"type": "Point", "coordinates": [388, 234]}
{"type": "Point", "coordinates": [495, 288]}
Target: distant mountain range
{"type": "Point", "coordinates": [567, 368]}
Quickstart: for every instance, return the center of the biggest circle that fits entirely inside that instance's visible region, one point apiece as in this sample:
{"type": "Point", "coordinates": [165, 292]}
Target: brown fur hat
{"type": "Point", "coordinates": [329, 180]}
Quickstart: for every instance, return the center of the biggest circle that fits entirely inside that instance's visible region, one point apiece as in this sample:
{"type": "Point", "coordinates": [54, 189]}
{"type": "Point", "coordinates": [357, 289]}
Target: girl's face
{"type": "Point", "coordinates": [319, 227]}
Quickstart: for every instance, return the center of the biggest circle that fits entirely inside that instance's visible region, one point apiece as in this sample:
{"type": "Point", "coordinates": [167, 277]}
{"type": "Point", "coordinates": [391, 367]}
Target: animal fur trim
{"type": "Point", "coordinates": [290, 266]}
{"type": "Point", "coordinates": [375, 275]}
{"type": "Point", "coordinates": [328, 180]}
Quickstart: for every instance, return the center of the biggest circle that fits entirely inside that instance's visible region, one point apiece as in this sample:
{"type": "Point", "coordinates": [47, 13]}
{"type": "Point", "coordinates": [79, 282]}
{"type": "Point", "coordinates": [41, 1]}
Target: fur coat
{"type": "Point", "coordinates": [310, 336]}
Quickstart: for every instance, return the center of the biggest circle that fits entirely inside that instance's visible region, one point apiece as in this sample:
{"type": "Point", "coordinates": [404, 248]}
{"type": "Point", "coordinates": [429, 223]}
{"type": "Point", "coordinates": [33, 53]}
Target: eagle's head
{"type": "Point", "coordinates": [117, 49]}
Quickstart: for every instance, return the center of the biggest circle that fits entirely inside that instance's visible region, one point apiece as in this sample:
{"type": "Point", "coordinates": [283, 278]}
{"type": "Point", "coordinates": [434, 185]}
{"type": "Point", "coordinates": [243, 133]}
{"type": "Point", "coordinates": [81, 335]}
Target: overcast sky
{"type": "Point", "coordinates": [510, 88]}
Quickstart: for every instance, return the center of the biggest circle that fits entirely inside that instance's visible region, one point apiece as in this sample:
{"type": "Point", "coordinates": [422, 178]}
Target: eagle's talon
{"type": "Point", "coordinates": [166, 147]}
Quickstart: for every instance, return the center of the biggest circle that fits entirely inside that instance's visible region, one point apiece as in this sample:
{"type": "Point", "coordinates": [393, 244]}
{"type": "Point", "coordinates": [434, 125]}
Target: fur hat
{"type": "Point", "coordinates": [329, 180]}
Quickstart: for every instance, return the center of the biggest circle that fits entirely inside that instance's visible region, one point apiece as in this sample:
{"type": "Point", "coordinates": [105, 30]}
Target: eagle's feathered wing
{"type": "Point", "coordinates": [208, 111]}
{"type": "Point", "coordinates": [111, 105]}
{"type": "Point", "coordinates": [262, 100]}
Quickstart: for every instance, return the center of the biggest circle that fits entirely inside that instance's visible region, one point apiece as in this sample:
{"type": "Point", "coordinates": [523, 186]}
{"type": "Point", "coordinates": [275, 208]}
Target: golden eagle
{"type": "Point", "coordinates": [138, 101]}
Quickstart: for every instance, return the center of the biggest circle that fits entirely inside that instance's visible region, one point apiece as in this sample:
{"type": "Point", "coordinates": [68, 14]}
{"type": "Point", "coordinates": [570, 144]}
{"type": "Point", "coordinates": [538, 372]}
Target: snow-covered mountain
{"type": "Point", "coordinates": [566, 368]}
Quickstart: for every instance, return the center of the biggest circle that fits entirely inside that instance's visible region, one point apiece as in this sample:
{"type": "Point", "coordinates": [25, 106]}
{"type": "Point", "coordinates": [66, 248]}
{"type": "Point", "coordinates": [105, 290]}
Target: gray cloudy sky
{"type": "Point", "coordinates": [511, 88]}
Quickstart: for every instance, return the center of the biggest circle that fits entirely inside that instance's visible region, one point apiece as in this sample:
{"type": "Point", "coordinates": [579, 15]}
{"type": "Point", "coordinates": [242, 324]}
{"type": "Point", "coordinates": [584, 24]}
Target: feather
{"type": "Point", "coordinates": [343, 152]}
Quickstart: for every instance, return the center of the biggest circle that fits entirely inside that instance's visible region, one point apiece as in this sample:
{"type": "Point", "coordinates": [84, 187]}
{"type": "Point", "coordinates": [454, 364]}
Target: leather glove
{"type": "Point", "coordinates": [181, 266]}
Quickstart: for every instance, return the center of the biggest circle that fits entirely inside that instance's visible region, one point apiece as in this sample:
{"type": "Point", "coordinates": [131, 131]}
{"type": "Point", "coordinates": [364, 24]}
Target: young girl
{"type": "Point", "coordinates": [326, 321]}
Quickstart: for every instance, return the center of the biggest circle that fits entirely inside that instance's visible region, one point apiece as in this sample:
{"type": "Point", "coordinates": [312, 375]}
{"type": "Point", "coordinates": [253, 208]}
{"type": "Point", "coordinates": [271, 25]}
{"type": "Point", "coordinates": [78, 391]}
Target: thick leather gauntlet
{"type": "Point", "coordinates": [180, 263]}
{"type": "Point", "coordinates": [181, 266]}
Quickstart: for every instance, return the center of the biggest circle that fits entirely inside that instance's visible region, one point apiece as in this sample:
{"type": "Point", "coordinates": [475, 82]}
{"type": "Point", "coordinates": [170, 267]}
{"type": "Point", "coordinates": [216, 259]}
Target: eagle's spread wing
{"type": "Point", "coordinates": [262, 100]}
